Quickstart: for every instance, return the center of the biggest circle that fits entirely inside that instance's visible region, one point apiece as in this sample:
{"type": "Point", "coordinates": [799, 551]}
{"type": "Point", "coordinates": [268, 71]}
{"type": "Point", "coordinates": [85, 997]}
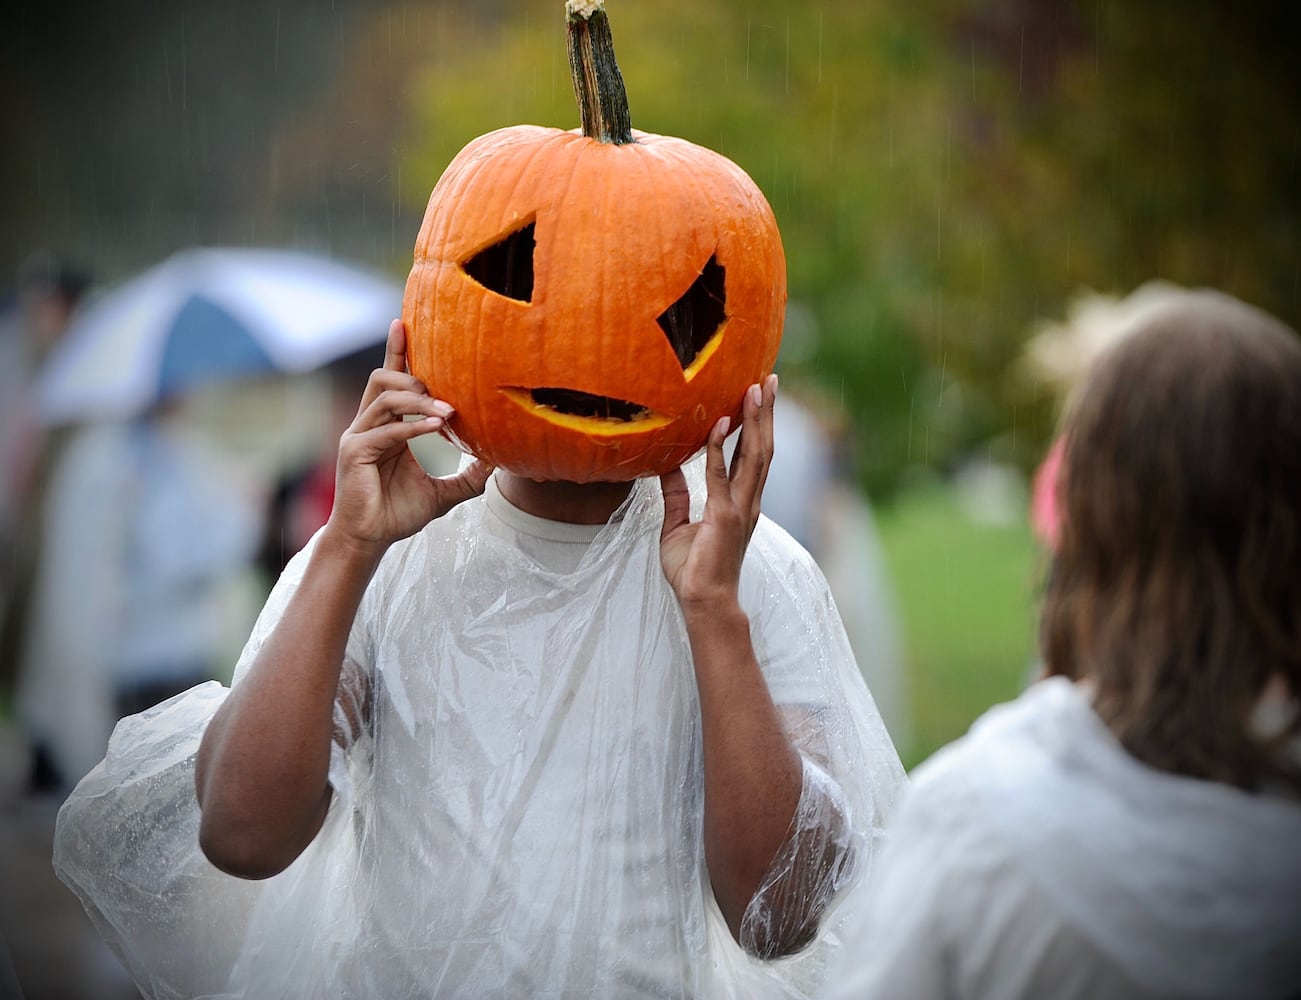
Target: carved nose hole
{"type": "Point", "coordinates": [506, 267]}
{"type": "Point", "coordinates": [694, 318]}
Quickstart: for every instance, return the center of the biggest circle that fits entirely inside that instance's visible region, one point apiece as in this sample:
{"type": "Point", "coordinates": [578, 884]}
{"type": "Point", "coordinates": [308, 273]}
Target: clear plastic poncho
{"type": "Point", "coordinates": [521, 814]}
{"type": "Point", "coordinates": [1036, 857]}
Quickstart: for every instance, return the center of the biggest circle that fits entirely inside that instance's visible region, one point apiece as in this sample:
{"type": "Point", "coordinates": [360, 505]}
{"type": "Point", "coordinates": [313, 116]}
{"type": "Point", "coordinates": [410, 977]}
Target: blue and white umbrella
{"type": "Point", "coordinates": [207, 315]}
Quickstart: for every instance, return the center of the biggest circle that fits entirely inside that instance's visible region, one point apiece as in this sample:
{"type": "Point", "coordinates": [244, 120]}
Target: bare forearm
{"type": "Point", "coordinates": [753, 774]}
{"type": "Point", "coordinates": [262, 769]}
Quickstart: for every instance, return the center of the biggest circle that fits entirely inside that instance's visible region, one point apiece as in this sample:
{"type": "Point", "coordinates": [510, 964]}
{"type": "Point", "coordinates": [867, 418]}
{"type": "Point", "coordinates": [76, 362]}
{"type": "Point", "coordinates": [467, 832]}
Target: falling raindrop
{"type": "Point", "coordinates": [835, 110]}
{"type": "Point", "coordinates": [1097, 35]}
{"type": "Point", "coordinates": [819, 47]}
{"type": "Point", "coordinates": [184, 71]}
{"type": "Point", "coordinates": [1020, 82]}
{"type": "Point", "coordinates": [912, 407]}
{"type": "Point", "coordinates": [167, 73]}
{"type": "Point", "coordinates": [788, 55]}
{"type": "Point", "coordinates": [889, 113]}
{"type": "Point", "coordinates": [939, 222]}
{"type": "Point", "coordinates": [749, 25]}
{"type": "Point", "coordinates": [948, 151]}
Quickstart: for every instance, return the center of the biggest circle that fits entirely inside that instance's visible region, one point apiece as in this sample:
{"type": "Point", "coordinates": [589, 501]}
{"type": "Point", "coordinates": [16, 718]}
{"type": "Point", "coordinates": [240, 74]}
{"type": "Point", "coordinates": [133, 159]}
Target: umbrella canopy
{"type": "Point", "coordinates": [209, 314]}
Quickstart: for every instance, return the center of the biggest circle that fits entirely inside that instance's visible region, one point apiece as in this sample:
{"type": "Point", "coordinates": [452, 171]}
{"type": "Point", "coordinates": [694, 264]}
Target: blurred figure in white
{"type": "Point", "coordinates": [808, 495]}
{"type": "Point", "coordinates": [141, 535]}
{"type": "Point", "coordinates": [49, 291]}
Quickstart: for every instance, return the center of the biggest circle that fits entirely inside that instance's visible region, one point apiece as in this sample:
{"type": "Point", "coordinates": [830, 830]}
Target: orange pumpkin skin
{"type": "Point", "coordinates": [621, 232]}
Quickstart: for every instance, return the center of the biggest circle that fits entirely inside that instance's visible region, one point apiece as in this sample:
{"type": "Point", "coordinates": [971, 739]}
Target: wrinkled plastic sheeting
{"type": "Point", "coordinates": [127, 844]}
{"type": "Point", "coordinates": [518, 793]}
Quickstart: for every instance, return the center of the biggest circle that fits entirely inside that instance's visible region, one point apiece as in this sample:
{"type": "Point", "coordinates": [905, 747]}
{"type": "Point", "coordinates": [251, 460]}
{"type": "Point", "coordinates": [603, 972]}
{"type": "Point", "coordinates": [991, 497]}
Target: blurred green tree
{"type": "Point", "coordinates": [945, 173]}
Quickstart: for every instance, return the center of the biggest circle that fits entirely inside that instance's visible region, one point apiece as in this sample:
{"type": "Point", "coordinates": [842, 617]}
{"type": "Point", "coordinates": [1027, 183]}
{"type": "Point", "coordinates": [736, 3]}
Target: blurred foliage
{"type": "Point", "coordinates": [134, 129]}
{"type": "Point", "coordinates": [944, 174]}
{"type": "Point", "coordinates": [967, 590]}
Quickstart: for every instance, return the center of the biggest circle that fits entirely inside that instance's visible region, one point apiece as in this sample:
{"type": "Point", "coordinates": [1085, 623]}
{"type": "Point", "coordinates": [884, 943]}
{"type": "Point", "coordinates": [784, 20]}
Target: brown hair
{"type": "Point", "coordinates": [1176, 588]}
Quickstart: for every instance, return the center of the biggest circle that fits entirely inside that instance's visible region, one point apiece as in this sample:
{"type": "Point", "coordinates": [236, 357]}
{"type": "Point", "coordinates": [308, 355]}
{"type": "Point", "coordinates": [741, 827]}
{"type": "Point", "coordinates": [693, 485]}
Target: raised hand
{"type": "Point", "coordinates": [702, 559]}
{"type": "Point", "coordinates": [382, 493]}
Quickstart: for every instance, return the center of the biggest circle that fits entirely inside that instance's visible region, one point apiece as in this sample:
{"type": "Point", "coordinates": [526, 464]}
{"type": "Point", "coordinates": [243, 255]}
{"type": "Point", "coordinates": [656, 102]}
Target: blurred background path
{"type": "Point", "coordinates": [53, 950]}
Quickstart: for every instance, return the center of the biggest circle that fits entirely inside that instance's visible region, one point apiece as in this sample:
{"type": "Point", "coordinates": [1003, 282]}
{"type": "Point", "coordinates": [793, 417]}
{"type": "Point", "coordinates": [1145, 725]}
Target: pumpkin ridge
{"type": "Point", "coordinates": [611, 203]}
{"type": "Point", "coordinates": [476, 382]}
{"type": "Point", "coordinates": [482, 329]}
{"type": "Point", "coordinates": [456, 178]}
{"type": "Point", "coordinates": [548, 187]}
{"type": "Point", "coordinates": [523, 173]}
{"type": "Point", "coordinates": [742, 193]}
{"type": "Point", "coordinates": [458, 206]}
{"type": "Point", "coordinates": [433, 226]}
{"type": "Point", "coordinates": [647, 179]}
{"type": "Point", "coordinates": [577, 151]}
{"type": "Point", "coordinates": [684, 175]}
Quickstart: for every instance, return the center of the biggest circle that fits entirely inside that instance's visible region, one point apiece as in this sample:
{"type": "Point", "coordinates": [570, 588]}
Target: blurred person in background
{"type": "Point", "coordinates": [301, 496]}
{"type": "Point", "coordinates": [1128, 827]}
{"type": "Point", "coordinates": [140, 536]}
{"type": "Point", "coordinates": [300, 500]}
{"type": "Point", "coordinates": [809, 494]}
{"type": "Point", "coordinates": [49, 291]}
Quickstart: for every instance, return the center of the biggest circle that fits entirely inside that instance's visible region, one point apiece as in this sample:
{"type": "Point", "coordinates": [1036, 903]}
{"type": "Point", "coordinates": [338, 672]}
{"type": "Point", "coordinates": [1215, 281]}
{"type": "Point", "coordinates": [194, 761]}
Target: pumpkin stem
{"type": "Point", "coordinates": [598, 84]}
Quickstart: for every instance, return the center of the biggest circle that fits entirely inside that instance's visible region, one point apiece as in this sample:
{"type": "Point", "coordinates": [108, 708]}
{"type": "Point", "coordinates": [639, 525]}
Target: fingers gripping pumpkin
{"type": "Point", "coordinates": [592, 302]}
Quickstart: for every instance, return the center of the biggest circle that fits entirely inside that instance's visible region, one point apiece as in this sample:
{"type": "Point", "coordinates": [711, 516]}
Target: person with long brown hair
{"type": "Point", "coordinates": [1130, 827]}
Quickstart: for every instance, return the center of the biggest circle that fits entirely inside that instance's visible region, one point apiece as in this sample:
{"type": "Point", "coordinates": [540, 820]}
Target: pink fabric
{"type": "Point", "coordinates": [1045, 510]}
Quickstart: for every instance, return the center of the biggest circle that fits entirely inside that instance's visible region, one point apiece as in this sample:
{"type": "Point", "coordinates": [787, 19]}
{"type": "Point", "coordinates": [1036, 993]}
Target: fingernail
{"type": "Point", "coordinates": [756, 395]}
{"type": "Point", "coordinates": [726, 424]}
{"type": "Point", "coordinates": [442, 409]}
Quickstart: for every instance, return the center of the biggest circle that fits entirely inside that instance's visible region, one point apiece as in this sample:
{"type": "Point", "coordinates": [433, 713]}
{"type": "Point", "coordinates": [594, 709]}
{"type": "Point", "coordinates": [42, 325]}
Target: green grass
{"type": "Point", "coordinates": [967, 593]}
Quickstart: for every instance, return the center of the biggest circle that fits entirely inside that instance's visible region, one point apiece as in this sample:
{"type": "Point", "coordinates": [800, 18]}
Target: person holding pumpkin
{"type": "Point", "coordinates": [576, 721]}
{"type": "Point", "coordinates": [495, 736]}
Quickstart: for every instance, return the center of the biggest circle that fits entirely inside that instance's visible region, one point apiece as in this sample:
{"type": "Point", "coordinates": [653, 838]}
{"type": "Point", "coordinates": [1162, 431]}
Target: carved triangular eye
{"type": "Point", "coordinates": [506, 267]}
{"type": "Point", "coordinates": [694, 318]}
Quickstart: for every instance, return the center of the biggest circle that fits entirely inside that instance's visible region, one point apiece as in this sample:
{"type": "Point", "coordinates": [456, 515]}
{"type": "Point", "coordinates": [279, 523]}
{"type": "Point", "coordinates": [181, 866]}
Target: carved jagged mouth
{"type": "Point", "coordinates": [584, 404]}
{"type": "Point", "coordinates": [585, 411]}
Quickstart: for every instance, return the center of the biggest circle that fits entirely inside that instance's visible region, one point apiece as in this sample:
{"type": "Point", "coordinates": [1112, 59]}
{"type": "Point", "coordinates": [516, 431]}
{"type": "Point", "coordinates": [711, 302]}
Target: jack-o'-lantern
{"type": "Point", "coordinates": [592, 302]}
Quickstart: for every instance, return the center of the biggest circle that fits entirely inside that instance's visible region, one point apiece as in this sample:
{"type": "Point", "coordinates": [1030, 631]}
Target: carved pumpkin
{"type": "Point", "coordinates": [592, 302]}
